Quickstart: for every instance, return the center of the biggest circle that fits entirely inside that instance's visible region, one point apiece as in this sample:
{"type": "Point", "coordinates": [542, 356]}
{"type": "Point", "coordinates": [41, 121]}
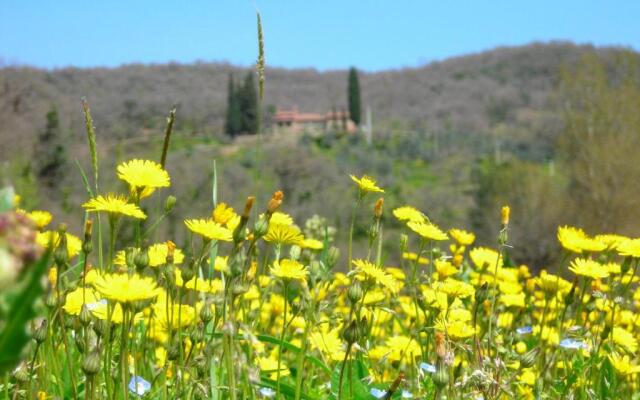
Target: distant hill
{"type": "Point", "coordinates": [508, 85]}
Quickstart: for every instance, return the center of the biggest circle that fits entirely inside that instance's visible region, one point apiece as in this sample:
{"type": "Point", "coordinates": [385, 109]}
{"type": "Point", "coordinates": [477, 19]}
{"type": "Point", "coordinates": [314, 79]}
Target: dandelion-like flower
{"type": "Point", "coordinates": [289, 270]}
{"type": "Point", "coordinates": [589, 268]}
{"type": "Point", "coordinates": [367, 184]}
{"type": "Point", "coordinates": [408, 213]}
{"type": "Point", "coordinates": [376, 273]}
{"type": "Point", "coordinates": [39, 217]}
{"type": "Point", "coordinates": [625, 339]}
{"type": "Point", "coordinates": [281, 218]}
{"type": "Point", "coordinates": [455, 288]}
{"type": "Point", "coordinates": [209, 229]}
{"type": "Point", "coordinates": [52, 238]}
{"type": "Point", "coordinates": [577, 241]}
{"type": "Point", "coordinates": [312, 244]}
{"type": "Point", "coordinates": [143, 174]}
{"type": "Point", "coordinates": [114, 205]}
{"type": "Point", "coordinates": [629, 248]}
{"type": "Point", "coordinates": [427, 230]}
{"type": "Point", "coordinates": [550, 283]}
{"type": "Point", "coordinates": [284, 234]}
{"type": "Point", "coordinates": [463, 237]}
{"type": "Point", "coordinates": [623, 364]}
{"type": "Point", "coordinates": [455, 329]}
{"type": "Point", "coordinates": [484, 257]}
{"type": "Point", "coordinates": [222, 214]}
{"type": "Point", "coordinates": [125, 288]}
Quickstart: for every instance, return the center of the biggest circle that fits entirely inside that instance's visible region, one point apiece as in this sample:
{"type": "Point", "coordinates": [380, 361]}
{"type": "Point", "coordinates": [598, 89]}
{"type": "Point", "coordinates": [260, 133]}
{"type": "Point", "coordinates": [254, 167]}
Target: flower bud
{"type": "Point", "coordinates": [350, 334]}
{"type": "Point", "coordinates": [101, 327]}
{"type": "Point", "coordinates": [206, 314]}
{"type": "Point", "coordinates": [261, 227]}
{"type": "Point", "coordinates": [61, 253]}
{"type": "Point", "coordinates": [169, 203]}
{"type": "Point", "coordinates": [332, 256]}
{"type": "Point", "coordinates": [91, 363]}
{"type": "Point", "coordinates": [171, 248]}
{"type": "Point", "coordinates": [52, 300]}
{"type": "Point", "coordinates": [85, 315]}
{"type": "Point", "coordinates": [295, 252]}
{"type": "Point", "coordinates": [141, 259]}
{"type": "Point", "coordinates": [87, 244]}
{"type": "Point", "coordinates": [441, 377]}
{"type": "Point", "coordinates": [377, 208]}
{"type": "Point", "coordinates": [197, 334]}
{"type": "Point", "coordinates": [528, 359]}
{"type": "Point", "coordinates": [40, 334]}
{"type": "Point", "coordinates": [441, 349]}
{"type": "Point", "coordinates": [21, 374]}
{"type": "Point", "coordinates": [188, 272]}
{"type": "Point", "coordinates": [354, 294]}
{"type": "Point", "coordinates": [80, 345]}
{"type": "Point", "coordinates": [275, 202]}
{"type": "Point", "coordinates": [504, 215]}
{"type": "Point", "coordinates": [247, 206]}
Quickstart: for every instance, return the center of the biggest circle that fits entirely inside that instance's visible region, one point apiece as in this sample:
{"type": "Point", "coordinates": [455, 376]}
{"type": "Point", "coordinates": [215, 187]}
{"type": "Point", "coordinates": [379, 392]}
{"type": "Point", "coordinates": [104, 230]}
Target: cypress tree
{"type": "Point", "coordinates": [353, 95]}
{"type": "Point", "coordinates": [50, 153]}
{"type": "Point", "coordinates": [233, 118]}
{"type": "Point", "coordinates": [248, 100]}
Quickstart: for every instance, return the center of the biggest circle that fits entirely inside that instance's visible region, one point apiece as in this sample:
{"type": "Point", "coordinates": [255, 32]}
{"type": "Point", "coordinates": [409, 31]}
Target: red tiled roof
{"type": "Point", "coordinates": [295, 116]}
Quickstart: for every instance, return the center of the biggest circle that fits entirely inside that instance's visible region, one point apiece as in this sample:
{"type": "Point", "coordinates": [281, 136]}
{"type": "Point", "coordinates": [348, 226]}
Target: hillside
{"type": "Point", "coordinates": [456, 138]}
{"type": "Point", "coordinates": [469, 93]}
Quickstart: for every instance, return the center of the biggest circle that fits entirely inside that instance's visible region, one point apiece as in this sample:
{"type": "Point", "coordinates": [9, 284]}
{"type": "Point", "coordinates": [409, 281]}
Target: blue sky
{"type": "Point", "coordinates": [328, 34]}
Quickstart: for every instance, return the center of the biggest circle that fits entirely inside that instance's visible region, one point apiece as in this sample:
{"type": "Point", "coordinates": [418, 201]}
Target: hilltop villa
{"type": "Point", "coordinates": [294, 121]}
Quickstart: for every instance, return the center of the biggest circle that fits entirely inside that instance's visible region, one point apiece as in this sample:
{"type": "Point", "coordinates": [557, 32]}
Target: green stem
{"type": "Point", "coordinates": [123, 353]}
{"type": "Point", "coordinates": [284, 327]}
{"type": "Point", "coordinates": [351, 227]}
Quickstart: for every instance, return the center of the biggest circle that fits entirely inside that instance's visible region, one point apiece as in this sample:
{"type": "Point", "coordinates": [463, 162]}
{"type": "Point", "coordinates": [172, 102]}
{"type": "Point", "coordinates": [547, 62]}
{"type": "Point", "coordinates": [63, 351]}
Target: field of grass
{"type": "Point", "coordinates": [258, 305]}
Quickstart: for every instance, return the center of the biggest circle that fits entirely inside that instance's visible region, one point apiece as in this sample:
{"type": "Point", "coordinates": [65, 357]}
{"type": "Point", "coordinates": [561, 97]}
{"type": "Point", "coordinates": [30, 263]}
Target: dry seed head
{"type": "Point", "coordinates": [275, 202]}
{"type": "Point", "coordinates": [248, 205]}
{"type": "Point", "coordinates": [441, 349]}
{"type": "Point", "coordinates": [377, 209]}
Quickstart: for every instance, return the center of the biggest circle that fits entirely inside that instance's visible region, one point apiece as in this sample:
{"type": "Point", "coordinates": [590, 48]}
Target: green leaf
{"type": "Point", "coordinates": [286, 390]}
{"type": "Point", "coordinates": [13, 337]}
{"type": "Point", "coordinates": [353, 381]}
{"type": "Point", "coordinates": [291, 347]}
{"type": "Point", "coordinates": [288, 346]}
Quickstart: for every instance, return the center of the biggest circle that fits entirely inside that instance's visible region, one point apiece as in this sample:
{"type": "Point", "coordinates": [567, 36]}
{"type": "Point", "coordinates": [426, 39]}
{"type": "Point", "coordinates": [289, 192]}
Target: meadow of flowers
{"type": "Point", "coordinates": [253, 306]}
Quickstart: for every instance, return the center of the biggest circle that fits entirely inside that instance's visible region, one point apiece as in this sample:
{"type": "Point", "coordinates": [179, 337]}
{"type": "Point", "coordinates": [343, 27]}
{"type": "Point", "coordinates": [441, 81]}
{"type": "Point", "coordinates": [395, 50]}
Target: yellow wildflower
{"type": "Point", "coordinates": [427, 230]}
{"type": "Point", "coordinates": [408, 213]}
{"type": "Point", "coordinates": [114, 205]}
{"type": "Point", "coordinates": [366, 184]}
{"type": "Point", "coordinates": [284, 234]}
{"type": "Point", "coordinates": [209, 229]}
{"type": "Point", "coordinates": [463, 237]}
{"type": "Point", "coordinates": [143, 176]}
{"type": "Point", "coordinates": [289, 270]}
{"type": "Point", "coordinates": [589, 268]}
{"type": "Point", "coordinates": [125, 288]}
{"type": "Point", "coordinates": [367, 270]}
